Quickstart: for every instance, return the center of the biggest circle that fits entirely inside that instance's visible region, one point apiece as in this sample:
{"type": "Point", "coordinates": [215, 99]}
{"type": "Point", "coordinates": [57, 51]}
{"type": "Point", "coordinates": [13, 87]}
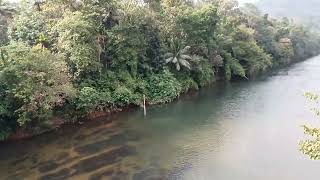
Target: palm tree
{"type": "Point", "coordinates": [179, 58]}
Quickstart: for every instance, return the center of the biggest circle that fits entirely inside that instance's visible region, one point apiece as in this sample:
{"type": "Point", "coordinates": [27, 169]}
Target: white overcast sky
{"type": "Point", "coordinates": [247, 1]}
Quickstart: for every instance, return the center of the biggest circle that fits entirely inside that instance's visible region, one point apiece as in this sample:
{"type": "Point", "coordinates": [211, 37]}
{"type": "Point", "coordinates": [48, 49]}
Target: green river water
{"type": "Point", "coordinates": [235, 131]}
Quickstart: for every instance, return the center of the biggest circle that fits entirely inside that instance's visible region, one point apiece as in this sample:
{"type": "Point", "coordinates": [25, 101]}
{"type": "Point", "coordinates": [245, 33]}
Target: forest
{"type": "Point", "coordinates": [66, 59]}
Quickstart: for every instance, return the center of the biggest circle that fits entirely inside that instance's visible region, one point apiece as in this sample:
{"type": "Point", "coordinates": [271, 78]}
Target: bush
{"type": "Point", "coordinates": [6, 123]}
{"type": "Point", "coordinates": [89, 100]}
{"type": "Point", "coordinates": [35, 82]}
{"type": "Point", "coordinates": [124, 96]}
{"type": "Point", "coordinates": [162, 88]}
{"type": "Point", "coordinates": [204, 73]}
{"type": "Point", "coordinates": [187, 83]}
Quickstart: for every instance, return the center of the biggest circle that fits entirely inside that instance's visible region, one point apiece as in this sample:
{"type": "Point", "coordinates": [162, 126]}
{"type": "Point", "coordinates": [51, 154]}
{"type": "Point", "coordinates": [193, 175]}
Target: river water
{"type": "Point", "coordinates": [243, 130]}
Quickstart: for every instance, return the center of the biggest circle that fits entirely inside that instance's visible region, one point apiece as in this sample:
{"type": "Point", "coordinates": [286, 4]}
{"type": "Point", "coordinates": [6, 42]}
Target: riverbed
{"type": "Point", "coordinates": [246, 130]}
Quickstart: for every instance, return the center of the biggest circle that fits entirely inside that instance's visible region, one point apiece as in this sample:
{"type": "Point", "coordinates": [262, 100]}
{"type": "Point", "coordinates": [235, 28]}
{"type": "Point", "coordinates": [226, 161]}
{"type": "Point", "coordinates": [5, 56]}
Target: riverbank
{"type": "Point", "coordinates": [57, 122]}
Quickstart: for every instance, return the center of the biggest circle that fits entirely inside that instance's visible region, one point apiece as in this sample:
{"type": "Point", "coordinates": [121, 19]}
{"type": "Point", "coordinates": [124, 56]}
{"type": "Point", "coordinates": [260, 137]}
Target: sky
{"type": "Point", "coordinates": [247, 1]}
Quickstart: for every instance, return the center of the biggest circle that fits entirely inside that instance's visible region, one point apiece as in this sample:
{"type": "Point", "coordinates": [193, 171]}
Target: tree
{"type": "Point", "coordinates": [28, 25]}
{"type": "Point", "coordinates": [199, 27]}
{"type": "Point", "coordinates": [77, 41]}
{"type": "Point", "coordinates": [36, 82]}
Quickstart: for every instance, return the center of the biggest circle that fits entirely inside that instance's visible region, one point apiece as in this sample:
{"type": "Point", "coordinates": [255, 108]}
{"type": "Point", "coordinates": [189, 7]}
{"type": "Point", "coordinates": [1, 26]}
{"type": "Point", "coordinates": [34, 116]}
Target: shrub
{"type": "Point", "coordinates": [89, 100]}
{"type": "Point", "coordinates": [35, 82]}
{"type": "Point", "coordinates": [124, 96]}
{"type": "Point", "coordinates": [204, 73]}
{"type": "Point", "coordinates": [187, 83]}
{"type": "Point", "coordinates": [163, 88]}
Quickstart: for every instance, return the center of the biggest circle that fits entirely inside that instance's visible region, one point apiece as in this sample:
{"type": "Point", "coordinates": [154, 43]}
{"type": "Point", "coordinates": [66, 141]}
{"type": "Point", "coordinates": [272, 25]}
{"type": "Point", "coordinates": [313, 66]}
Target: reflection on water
{"type": "Point", "coordinates": [243, 130]}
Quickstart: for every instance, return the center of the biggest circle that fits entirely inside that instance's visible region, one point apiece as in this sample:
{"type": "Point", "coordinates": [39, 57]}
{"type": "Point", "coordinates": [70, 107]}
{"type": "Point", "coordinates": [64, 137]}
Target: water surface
{"type": "Point", "coordinates": [243, 130]}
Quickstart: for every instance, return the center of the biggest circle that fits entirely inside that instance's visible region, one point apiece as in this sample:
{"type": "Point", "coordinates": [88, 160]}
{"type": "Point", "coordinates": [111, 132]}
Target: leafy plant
{"type": "Point", "coordinates": [90, 100]}
{"type": "Point", "coordinates": [162, 88]}
{"type": "Point", "coordinates": [37, 82]}
{"type": "Point", "coordinates": [311, 147]}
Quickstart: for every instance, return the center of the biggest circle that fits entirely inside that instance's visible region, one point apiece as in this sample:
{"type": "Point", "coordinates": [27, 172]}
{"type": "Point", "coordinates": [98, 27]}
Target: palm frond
{"type": "Point", "coordinates": [178, 67]}
{"type": "Point", "coordinates": [175, 60]}
{"type": "Point", "coordinates": [187, 57]}
{"type": "Point", "coordinates": [169, 60]}
{"type": "Point", "coordinates": [185, 63]}
{"type": "Point", "coordinates": [167, 55]}
{"type": "Point", "coordinates": [185, 50]}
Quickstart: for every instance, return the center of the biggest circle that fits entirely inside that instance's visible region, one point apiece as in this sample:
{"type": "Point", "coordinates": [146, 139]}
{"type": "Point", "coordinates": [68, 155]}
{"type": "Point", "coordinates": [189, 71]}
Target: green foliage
{"type": "Point", "coordinates": [125, 48]}
{"type": "Point", "coordinates": [35, 82]}
{"type": "Point", "coordinates": [311, 147]}
{"type": "Point", "coordinates": [90, 100]}
{"type": "Point", "coordinates": [163, 88]}
{"type": "Point", "coordinates": [285, 52]}
{"type": "Point", "coordinates": [285, 41]}
{"type": "Point", "coordinates": [187, 83]}
{"type": "Point", "coordinates": [28, 25]}
{"type": "Point", "coordinates": [77, 41]}
{"type": "Point", "coordinates": [199, 26]}
{"type": "Point", "coordinates": [232, 67]}
{"type": "Point", "coordinates": [203, 74]}
{"type": "Point", "coordinates": [124, 96]}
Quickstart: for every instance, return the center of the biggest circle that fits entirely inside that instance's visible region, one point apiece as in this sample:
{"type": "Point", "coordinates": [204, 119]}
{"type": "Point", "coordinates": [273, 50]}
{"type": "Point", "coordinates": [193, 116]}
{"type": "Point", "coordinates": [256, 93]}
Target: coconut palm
{"type": "Point", "coordinates": [179, 58]}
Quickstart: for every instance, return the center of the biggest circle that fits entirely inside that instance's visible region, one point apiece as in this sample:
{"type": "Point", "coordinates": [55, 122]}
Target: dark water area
{"type": "Point", "coordinates": [242, 130]}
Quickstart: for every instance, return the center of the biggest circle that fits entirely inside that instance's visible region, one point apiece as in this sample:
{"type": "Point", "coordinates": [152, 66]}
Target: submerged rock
{"type": "Point", "coordinates": [115, 140]}
{"type": "Point", "coordinates": [120, 176]}
{"type": "Point", "coordinates": [48, 166]}
{"type": "Point", "coordinates": [90, 164]}
{"type": "Point", "coordinates": [151, 174]}
{"type": "Point", "coordinates": [104, 159]}
{"type": "Point", "coordinates": [61, 174]}
{"type": "Point", "coordinates": [61, 156]}
{"type": "Point", "coordinates": [101, 175]}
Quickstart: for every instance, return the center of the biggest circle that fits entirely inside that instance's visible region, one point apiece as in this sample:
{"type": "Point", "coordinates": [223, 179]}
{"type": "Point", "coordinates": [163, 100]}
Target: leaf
{"type": "Point", "coordinates": [187, 57]}
{"type": "Point", "coordinates": [167, 55]}
{"type": "Point", "coordinates": [185, 63]}
{"type": "Point", "coordinates": [178, 67]}
{"type": "Point", "coordinates": [169, 60]}
{"type": "Point", "coordinates": [185, 50]}
{"type": "Point", "coordinates": [175, 60]}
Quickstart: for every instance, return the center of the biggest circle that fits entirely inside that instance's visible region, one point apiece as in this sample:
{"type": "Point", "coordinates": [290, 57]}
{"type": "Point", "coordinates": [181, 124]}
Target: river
{"type": "Point", "coordinates": [242, 130]}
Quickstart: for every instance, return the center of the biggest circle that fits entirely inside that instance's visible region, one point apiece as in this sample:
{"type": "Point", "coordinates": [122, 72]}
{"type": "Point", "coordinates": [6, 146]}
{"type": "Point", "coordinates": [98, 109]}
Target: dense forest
{"type": "Point", "coordinates": [65, 59]}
